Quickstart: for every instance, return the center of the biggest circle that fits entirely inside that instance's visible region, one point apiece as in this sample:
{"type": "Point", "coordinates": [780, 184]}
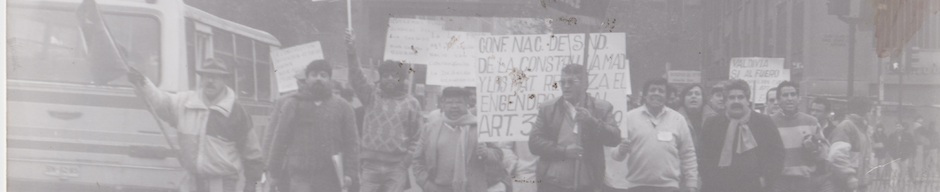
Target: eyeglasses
{"type": "Point", "coordinates": [791, 94]}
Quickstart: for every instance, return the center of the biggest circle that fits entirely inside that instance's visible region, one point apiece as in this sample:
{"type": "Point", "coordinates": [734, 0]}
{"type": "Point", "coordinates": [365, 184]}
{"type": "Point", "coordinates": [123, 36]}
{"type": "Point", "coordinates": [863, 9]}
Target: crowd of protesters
{"type": "Point", "coordinates": [702, 138]}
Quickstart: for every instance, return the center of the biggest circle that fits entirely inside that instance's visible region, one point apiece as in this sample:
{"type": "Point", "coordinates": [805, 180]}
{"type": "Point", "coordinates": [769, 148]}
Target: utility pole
{"type": "Point", "coordinates": [844, 10]}
{"type": "Point", "coordinates": [901, 70]}
{"type": "Point", "coordinates": [851, 78]}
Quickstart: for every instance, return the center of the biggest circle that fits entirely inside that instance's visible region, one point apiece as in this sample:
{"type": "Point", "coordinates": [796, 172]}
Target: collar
{"type": "Point", "coordinates": [646, 111]}
{"type": "Point", "coordinates": [789, 117]}
{"type": "Point", "coordinates": [572, 111]}
{"type": "Point", "coordinates": [222, 104]}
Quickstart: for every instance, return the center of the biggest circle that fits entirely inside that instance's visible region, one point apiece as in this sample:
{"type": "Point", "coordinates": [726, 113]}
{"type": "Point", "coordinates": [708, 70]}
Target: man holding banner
{"type": "Point", "coordinates": [569, 134]}
{"type": "Point", "coordinates": [217, 143]}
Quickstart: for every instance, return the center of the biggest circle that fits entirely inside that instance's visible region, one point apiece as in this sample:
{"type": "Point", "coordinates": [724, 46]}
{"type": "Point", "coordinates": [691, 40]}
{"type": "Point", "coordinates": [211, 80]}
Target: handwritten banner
{"type": "Point", "coordinates": [451, 59]}
{"type": "Point", "coordinates": [688, 77]}
{"type": "Point", "coordinates": [408, 40]}
{"type": "Point", "coordinates": [761, 74]}
{"type": "Point", "coordinates": [290, 61]}
{"type": "Point", "coordinates": [517, 73]}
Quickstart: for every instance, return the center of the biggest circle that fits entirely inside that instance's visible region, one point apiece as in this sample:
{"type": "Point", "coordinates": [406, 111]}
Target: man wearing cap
{"type": "Point", "coordinates": [216, 140]}
{"type": "Point", "coordinates": [307, 129]}
{"type": "Point", "coordinates": [449, 157]}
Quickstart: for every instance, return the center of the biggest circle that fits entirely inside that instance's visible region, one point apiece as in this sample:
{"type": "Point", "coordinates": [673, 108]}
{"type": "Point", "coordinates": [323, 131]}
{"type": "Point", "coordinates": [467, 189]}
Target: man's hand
{"type": "Point", "coordinates": [584, 116]}
{"type": "Point", "coordinates": [481, 151]}
{"type": "Point", "coordinates": [350, 39]}
{"type": "Point", "coordinates": [624, 148]}
{"type": "Point", "coordinates": [347, 182]}
{"type": "Point", "coordinates": [135, 77]}
{"type": "Point", "coordinates": [573, 151]}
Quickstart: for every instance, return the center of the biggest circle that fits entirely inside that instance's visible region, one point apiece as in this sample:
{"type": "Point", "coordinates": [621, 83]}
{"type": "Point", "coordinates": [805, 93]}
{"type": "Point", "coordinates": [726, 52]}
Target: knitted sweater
{"type": "Point", "coordinates": [390, 128]}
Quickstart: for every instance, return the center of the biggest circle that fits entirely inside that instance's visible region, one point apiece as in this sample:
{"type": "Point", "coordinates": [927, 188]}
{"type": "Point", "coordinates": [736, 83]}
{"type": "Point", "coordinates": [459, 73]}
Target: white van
{"type": "Point", "coordinates": [66, 133]}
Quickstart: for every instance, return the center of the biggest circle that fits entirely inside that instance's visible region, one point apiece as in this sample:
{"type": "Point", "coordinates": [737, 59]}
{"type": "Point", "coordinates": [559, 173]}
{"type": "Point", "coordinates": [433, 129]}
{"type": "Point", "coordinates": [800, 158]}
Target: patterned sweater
{"type": "Point", "coordinates": [390, 126]}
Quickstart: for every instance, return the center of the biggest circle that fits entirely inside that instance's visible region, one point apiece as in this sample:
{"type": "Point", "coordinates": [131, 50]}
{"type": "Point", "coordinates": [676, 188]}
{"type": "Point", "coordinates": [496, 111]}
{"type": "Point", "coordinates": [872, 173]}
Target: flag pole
{"type": "Point", "coordinates": [349, 14]}
{"type": "Point", "coordinates": [91, 7]}
{"type": "Point", "coordinates": [155, 117]}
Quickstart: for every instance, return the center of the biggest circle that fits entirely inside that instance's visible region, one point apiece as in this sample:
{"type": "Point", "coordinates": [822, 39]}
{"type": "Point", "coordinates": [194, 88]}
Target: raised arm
{"type": "Point", "coordinates": [357, 79]}
{"type": "Point", "coordinates": [164, 104]}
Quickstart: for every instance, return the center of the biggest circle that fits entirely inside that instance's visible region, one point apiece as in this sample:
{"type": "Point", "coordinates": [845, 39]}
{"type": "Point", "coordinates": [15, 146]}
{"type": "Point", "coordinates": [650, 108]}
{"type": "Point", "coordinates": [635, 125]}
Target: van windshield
{"type": "Point", "coordinates": [46, 45]}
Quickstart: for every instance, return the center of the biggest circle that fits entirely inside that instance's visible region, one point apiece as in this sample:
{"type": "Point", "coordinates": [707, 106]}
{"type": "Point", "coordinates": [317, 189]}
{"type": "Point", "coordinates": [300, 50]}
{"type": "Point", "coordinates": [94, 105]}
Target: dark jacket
{"type": "Point", "coordinates": [543, 138]}
{"type": "Point", "coordinates": [292, 147]}
{"type": "Point", "coordinates": [746, 169]}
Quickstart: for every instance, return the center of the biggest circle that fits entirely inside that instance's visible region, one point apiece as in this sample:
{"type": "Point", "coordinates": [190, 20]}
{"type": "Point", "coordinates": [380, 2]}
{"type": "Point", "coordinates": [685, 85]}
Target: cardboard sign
{"type": "Point", "coordinates": [290, 61]}
{"type": "Point", "coordinates": [517, 73]}
{"type": "Point", "coordinates": [451, 59]}
{"type": "Point", "coordinates": [684, 77]}
{"type": "Point", "coordinates": [761, 74]}
{"type": "Point", "coordinates": [408, 40]}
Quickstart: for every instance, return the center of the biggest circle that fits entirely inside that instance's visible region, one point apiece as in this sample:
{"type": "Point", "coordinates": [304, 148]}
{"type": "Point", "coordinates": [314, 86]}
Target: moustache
{"type": "Point", "coordinates": [737, 106]}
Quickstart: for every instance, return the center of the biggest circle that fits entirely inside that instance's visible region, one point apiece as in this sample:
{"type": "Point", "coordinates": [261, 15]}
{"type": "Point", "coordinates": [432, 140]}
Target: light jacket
{"type": "Point", "coordinates": [206, 156]}
{"type": "Point", "coordinates": [425, 160]}
{"type": "Point", "coordinates": [851, 151]}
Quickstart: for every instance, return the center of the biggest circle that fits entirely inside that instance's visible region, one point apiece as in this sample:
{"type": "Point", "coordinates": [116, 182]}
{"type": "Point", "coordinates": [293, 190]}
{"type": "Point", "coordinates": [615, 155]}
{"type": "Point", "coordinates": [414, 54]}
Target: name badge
{"type": "Point", "coordinates": [664, 136]}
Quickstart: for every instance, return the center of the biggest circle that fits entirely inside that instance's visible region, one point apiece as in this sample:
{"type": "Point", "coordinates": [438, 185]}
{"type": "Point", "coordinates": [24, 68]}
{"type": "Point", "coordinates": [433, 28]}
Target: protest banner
{"type": "Point", "coordinates": [451, 59]}
{"type": "Point", "coordinates": [684, 77]}
{"type": "Point", "coordinates": [290, 61]}
{"type": "Point", "coordinates": [517, 73]}
{"type": "Point", "coordinates": [408, 40]}
{"type": "Point", "coordinates": [761, 74]}
{"type": "Point", "coordinates": [610, 72]}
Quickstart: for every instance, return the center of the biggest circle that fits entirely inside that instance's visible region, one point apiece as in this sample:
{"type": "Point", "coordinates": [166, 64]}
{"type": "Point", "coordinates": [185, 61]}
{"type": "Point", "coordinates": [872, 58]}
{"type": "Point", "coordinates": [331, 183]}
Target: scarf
{"type": "Point", "coordinates": [739, 132]}
{"type": "Point", "coordinates": [462, 125]}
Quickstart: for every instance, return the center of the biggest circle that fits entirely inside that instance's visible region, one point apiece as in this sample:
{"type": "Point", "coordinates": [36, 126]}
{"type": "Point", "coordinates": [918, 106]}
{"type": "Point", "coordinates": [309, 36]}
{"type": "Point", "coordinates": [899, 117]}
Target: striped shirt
{"type": "Point", "coordinates": [793, 129]}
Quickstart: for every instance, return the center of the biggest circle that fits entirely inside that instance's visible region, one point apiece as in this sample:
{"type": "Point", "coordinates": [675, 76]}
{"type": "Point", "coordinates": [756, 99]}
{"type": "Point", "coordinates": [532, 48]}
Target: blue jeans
{"type": "Point", "coordinates": [378, 176]}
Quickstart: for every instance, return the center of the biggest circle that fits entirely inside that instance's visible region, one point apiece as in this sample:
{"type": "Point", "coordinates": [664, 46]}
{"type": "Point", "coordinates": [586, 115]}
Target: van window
{"type": "Point", "coordinates": [248, 58]}
{"type": "Point", "coordinates": [46, 45]}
